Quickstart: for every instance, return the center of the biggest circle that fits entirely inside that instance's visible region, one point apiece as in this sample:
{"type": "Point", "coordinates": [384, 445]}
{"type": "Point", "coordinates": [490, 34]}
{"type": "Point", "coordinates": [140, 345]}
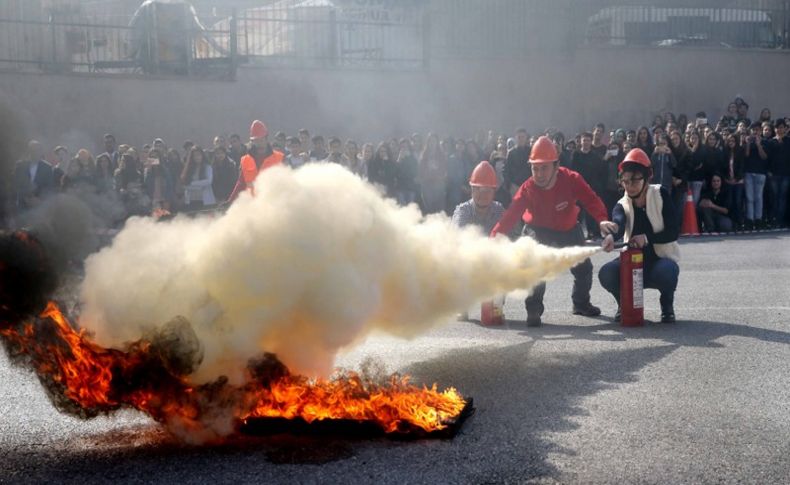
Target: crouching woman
{"type": "Point", "coordinates": [646, 219]}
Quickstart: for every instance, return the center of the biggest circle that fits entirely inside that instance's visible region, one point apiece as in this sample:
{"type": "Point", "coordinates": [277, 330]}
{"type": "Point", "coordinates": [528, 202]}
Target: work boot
{"type": "Point", "coordinates": [667, 308]}
{"type": "Point", "coordinates": [618, 316]}
{"type": "Point", "coordinates": [586, 309]}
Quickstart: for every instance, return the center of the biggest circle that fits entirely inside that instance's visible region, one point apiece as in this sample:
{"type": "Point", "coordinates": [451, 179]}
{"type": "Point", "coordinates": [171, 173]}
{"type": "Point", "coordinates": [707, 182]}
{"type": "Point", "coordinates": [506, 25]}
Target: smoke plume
{"type": "Point", "coordinates": [311, 264]}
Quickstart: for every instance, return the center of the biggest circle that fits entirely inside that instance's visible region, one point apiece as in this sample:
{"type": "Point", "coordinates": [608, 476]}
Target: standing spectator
{"type": "Point", "coordinates": [714, 207]}
{"type": "Point", "coordinates": [433, 176]}
{"type": "Point", "coordinates": [87, 164]}
{"type": "Point", "coordinates": [611, 186]}
{"type": "Point", "coordinates": [630, 137]}
{"type": "Point", "coordinates": [318, 153]}
{"type": "Point", "coordinates": [734, 157]}
{"type": "Point", "coordinates": [197, 179]}
{"type": "Point", "coordinates": [590, 166]}
{"type": "Point", "coordinates": [680, 173]}
{"type": "Point", "coordinates": [730, 119]}
{"type": "Point", "coordinates": [305, 139]}
{"type": "Point", "coordinates": [237, 148]}
{"type": "Point", "coordinates": [455, 172]}
{"type": "Point", "coordinates": [187, 146]}
{"type": "Point", "coordinates": [497, 161]}
{"type": "Point", "coordinates": [104, 174]}
{"type": "Point", "coordinates": [111, 148]}
{"type": "Point", "coordinates": [406, 186]}
{"type": "Point", "coordinates": [712, 155]}
{"type": "Point", "coordinates": [351, 159]}
{"type": "Point", "coordinates": [644, 141]}
{"type": "Point", "coordinates": [158, 184]}
{"type": "Point", "coordinates": [76, 177]}
{"type": "Point", "coordinates": [225, 173]}
{"type": "Point", "coordinates": [663, 163]}
{"type": "Point", "coordinates": [417, 143]}
{"type": "Point", "coordinates": [756, 171]}
{"type": "Point", "coordinates": [779, 167]}
{"type": "Point", "coordinates": [598, 145]}
{"type": "Point", "coordinates": [221, 141]}
{"type": "Point", "coordinates": [279, 141]}
{"type": "Point", "coordinates": [335, 151]}
{"type": "Point", "coordinates": [296, 155]}
{"type": "Point", "coordinates": [33, 178]}
{"type": "Point", "coordinates": [365, 158]}
{"type": "Point", "coordinates": [695, 166]}
{"type": "Point", "coordinates": [765, 116]}
{"type": "Point", "coordinates": [60, 162]}
{"type": "Point", "coordinates": [743, 111]}
{"type": "Point", "coordinates": [683, 121]}
{"type": "Point", "coordinates": [173, 167]}
{"type": "Point", "coordinates": [517, 166]}
{"type": "Point", "coordinates": [129, 185]}
{"type": "Point", "coordinates": [382, 170]}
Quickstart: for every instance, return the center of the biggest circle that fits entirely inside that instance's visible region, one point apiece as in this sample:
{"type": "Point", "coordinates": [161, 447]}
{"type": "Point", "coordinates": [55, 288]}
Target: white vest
{"type": "Point", "coordinates": [654, 206]}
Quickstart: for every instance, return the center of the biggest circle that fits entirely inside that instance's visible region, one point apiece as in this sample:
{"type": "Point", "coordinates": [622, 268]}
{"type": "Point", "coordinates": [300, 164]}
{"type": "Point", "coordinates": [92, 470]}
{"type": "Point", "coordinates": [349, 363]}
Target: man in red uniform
{"type": "Point", "coordinates": [547, 204]}
{"type": "Point", "coordinates": [260, 156]}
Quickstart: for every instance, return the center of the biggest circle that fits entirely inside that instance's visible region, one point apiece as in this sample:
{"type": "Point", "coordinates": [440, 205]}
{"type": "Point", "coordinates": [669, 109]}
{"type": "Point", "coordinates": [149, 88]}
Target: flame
{"type": "Point", "coordinates": [99, 380]}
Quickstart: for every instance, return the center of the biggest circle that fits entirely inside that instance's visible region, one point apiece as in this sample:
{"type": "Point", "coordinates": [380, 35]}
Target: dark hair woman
{"type": "Point", "coordinates": [382, 170]}
{"type": "Point", "coordinates": [197, 179]}
{"type": "Point", "coordinates": [433, 176]}
{"type": "Point", "coordinates": [734, 158]}
{"type": "Point", "coordinates": [644, 140]}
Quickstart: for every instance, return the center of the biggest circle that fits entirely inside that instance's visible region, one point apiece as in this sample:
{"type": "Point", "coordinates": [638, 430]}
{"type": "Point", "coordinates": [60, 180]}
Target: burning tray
{"type": "Point", "coordinates": [349, 428]}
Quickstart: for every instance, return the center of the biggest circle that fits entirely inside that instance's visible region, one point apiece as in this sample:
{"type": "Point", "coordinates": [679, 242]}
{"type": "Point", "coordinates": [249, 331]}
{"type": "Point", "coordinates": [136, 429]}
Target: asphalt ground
{"type": "Point", "coordinates": [579, 400]}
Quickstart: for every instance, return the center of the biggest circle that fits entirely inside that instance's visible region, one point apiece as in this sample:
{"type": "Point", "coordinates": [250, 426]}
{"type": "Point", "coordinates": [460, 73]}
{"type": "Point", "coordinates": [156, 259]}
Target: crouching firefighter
{"type": "Point", "coordinates": [260, 156]}
{"type": "Point", "coordinates": [646, 219]}
{"type": "Point", "coordinates": [547, 204]}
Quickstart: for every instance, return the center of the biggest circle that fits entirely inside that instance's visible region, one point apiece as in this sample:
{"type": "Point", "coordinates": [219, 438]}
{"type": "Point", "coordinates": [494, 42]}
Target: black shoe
{"type": "Point", "coordinates": [618, 316]}
{"type": "Point", "coordinates": [667, 317]}
{"type": "Point", "coordinates": [533, 321]}
{"type": "Point", "coordinates": [587, 310]}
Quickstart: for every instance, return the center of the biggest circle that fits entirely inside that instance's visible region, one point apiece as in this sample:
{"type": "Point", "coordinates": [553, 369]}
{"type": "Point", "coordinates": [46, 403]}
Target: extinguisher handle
{"type": "Point", "coordinates": [620, 245]}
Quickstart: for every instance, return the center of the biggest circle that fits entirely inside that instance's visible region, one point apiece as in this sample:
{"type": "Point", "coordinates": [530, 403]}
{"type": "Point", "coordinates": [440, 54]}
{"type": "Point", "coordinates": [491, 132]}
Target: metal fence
{"type": "Point", "coordinates": [403, 34]}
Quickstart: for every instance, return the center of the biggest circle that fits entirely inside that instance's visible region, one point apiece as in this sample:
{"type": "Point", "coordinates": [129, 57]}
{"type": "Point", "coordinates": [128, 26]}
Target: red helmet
{"type": "Point", "coordinates": [636, 156]}
{"type": "Point", "coordinates": [543, 151]}
{"type": "Point", "coordinates": [258, 130]}
{"type": "Point", "coordinates": [483, 175]}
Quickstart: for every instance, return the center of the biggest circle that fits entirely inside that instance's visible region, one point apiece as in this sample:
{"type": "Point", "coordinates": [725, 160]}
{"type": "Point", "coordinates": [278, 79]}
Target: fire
{"type": "Point", "coordinates": [87, 379]}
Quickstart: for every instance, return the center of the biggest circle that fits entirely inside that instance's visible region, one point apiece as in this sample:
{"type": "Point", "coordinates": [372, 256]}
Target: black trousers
{"type": "Point", "coordinates": [582, 272]}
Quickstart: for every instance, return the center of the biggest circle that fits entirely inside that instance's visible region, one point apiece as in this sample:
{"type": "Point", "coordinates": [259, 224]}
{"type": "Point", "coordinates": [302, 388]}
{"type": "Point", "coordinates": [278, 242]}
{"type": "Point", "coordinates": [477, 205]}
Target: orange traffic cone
{"type": "Point", "coordinates": [689, 226]}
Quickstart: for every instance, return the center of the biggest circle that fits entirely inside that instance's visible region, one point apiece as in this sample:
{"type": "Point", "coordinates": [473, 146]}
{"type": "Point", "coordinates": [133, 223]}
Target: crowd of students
{"type": "Point", "coordinates": [737, 170]}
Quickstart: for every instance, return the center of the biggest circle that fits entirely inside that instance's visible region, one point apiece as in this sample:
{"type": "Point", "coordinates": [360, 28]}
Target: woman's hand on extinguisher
{"type": "Point", "coordinates": [608, 243]}
{"type": "Point", "coordinates": [638, 241]}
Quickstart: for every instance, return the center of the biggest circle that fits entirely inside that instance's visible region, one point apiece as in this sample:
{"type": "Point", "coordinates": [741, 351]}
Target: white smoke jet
{"type": "Point", "coordinates": [311, 264]}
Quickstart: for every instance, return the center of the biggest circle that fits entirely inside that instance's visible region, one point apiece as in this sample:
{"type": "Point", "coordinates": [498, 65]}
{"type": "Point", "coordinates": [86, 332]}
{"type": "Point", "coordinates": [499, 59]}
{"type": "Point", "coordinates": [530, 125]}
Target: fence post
{"type": "Point", "coordinates": [54, 39]}
{"type": "Point", "coordinates": [234, 41]}
{"type": "Point", "coordinates": [426, 38]}
{"type": "Point", "coordinates": [333, 37]}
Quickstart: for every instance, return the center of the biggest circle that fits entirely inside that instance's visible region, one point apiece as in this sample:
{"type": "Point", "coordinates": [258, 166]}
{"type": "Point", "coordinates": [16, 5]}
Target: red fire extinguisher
{"type": "Point", "coordinates": [492, 312]}
{"type": "Point", "coordinates": [632, 304]}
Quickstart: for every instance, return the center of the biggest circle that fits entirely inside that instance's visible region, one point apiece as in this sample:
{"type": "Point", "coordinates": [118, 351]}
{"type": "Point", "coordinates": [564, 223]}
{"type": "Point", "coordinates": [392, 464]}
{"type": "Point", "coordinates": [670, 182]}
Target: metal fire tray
{"type": "Point", "coordinates": [349, 428]}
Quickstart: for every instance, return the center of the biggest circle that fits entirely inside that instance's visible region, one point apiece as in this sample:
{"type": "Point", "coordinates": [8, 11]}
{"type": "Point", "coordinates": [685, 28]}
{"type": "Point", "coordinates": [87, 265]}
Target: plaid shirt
{"type": "Point", "coordinates": [466, 214]}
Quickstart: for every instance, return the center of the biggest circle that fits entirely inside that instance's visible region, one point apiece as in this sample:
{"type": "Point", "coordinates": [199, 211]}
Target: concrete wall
{"type": "Point", "coordinates": [622, 87]}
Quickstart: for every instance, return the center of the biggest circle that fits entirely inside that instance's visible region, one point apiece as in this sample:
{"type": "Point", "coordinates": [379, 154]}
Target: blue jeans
{"type": "Point", "coordinates": [661, 274]}
{"type": "Point", "coordinates": [754, 183]}
{"type": "Point", "coordinates": [780, 184]}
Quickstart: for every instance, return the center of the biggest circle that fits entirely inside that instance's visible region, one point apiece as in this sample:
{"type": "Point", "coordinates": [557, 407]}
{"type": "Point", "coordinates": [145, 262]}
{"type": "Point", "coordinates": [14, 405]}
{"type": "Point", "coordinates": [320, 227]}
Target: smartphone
{"type": "Point", "coordinates": [612, 153]}
{"type": "Point", "coordinates": [702, 121]}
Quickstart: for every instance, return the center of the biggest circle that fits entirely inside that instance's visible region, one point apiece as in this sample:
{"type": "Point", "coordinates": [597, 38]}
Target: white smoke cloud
{"type": "Point", "coordinates": [312, 264]}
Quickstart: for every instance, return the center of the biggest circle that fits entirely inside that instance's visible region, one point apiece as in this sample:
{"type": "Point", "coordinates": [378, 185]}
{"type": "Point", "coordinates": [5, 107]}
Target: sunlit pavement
{"type": "Point", "coordinates": [578, 400]}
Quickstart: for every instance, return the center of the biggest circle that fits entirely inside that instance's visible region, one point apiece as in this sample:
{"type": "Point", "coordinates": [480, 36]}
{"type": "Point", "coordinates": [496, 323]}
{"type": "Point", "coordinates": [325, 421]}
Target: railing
{"type": "Point", "coordinates": [403, 34]}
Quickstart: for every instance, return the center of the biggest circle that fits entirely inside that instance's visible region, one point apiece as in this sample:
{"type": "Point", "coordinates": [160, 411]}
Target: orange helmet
{"type": "Point", "coordinates": [483, 175]}
{"type": "Point", "coordinates": [636, 156]}
{"type": "Point", "coordinates": [543, 151]}
{"type": "Point", "coordinates": [258, 130]}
